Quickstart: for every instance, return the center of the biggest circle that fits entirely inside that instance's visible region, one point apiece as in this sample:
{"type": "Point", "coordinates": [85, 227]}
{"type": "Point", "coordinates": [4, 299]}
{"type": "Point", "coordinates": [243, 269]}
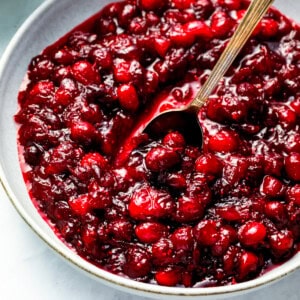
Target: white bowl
{"type": "Point", "coordinates": [49, 22]}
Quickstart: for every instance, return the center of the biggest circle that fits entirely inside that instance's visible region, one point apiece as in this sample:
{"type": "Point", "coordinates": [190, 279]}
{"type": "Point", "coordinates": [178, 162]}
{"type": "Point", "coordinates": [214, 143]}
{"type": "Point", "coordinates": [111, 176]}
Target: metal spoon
{"type": "Point", "coordinates": [185, 119]}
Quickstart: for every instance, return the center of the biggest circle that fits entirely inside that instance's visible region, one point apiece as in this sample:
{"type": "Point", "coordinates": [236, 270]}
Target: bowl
{"type": "Point", "coordinates": [50, 21]}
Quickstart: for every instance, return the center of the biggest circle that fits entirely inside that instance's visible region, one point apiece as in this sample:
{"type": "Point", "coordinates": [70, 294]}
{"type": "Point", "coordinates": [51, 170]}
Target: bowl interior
{"type": "Point", "coordinates": [51, 21]}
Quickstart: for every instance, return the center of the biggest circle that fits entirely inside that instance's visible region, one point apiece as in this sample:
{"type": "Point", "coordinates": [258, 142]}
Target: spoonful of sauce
{"type": "Point", "coordinates": [185, 119]}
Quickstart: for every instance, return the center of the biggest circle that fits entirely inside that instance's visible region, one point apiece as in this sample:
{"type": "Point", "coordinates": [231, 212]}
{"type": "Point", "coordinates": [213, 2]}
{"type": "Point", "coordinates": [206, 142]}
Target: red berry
{"type": "Point", "coordinates": [80, 205]}
{"type": "Point", "coordinates": [223, 141]}
{"type": "Point", "coordinates": [206, 233]}
{"type": "Point", "coordinates": [221, 24]}
{"type": "Point", "coordinates": [161, 158]}
{"type": "Point", "coordinates": [83, 132]}
{"type": "Point", "coordinates": [174, 140]}
{"type": "Point", "coordinates": [168, 278]}
{"type": "Point", "coordinates": [150, 232]}
{"type": "Point", "coordinates": [252, 233]}
{"type": "Point", "coordinates": [182, 238]}
{"type": "Point", "coordinates": [208, 164]}
{"type": "Point", "coordinates": [85, 73]}
{"type": "Point", "coordinates": [248, 263]}
{"type": "Point", "coordinates": [275, 211]}
{"type": "Point", "coordinates": [162, 45]}
{"type": "Point", "coordinates": [281, 242]}
{"type": "Point", "coordinates": [148, 203]}
{"type": "Point", "coordinates": [293, 194]}
{"type": "Point", "coordinates": [138, 263]}
{"type": "Point", "coordinates": [272, 187]}
{"type": "Point", "coordinates": [230, 4]}
{"type": "Point", "coordinates": [292, 166]}
{"type": "Point", "coordinates": [269, 27]}
{"type": "Point", "coordinates": [198, 29]}
{"type": "Point", "coordinates": [189, 209]}
{"type": "Point", "coordinates": [128, 97]}
{"type": "Point", "coordinates": [152, 4]}
{"type": "Point", "coordinates": [41, 92]}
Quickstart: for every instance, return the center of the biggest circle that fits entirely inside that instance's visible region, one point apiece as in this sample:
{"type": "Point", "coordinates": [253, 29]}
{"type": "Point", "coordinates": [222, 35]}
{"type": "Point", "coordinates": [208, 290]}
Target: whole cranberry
{"type": "Point", "coordinates": [162, 45]}
{"type": "Point", "coordinates": [41, 92]}
{"type": "Point", "coordinates": [174, 140]}
{"type": "Point", "coordinates": [252, 233]}
{"type": "Point", "coordinates": [121, 230]}
{"type": "Point", "coordinates": [281, 242]}
{"type": "Point", "coordinates": [80, 205]}
{"type": "Point", "coordinates": [293, 194]}
{"type": "Point", "coordinates": [230, 4]}
{"type": "Point", "coordinates": [248, 263]}
{"type": "Point", "coordinates": [272, 186]}
{"type": "Point", "coordinates": [128, 97]}
{"type": "Point", "coordinates": [85, 73]}
{"type": "Point", "coordinates": [189, 209]}
{"type": "Point", "coordinates": [169, 277]}
{"type": "Point", "coordinates": [206, 233]}
{"type": "Point", "coordinates": [208, 164]}
{"type": "Point", "coordinates": [83, 132]}
{"type": "Point", "coordinates": [161, 158]}
{"type": "Point", "coordinates": [152, 4]}
{"type": "Point", "coordinates": [150, 232]}
{"type": "Point", "coordinates": [223, 141]}
{"type": "Point", "coordinates": [162, 252]}
{"type": "Point", "coordinates": [148, 203]}
{"type": "Point", "coordinates": [276, 211]}
{"type": "Point", "coordinates": [221, 24]}
{"type": "Point", "coordinates": [138, 262]}
{"type": "Point", "coordinates": [182, 238]}
{"type": "Point", "coordinates": [269, 27]}
{"type": "Point", "coordinates": [292, 166]}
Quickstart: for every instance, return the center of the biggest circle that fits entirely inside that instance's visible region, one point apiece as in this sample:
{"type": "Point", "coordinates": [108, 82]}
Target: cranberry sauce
{"type": "Point", "coordinates": [161, 210]}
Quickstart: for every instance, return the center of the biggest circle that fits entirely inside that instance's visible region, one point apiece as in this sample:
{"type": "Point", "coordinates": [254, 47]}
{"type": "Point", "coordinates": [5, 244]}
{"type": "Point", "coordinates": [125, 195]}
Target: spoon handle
{"type": "Point", "coordinates": [254, 14]}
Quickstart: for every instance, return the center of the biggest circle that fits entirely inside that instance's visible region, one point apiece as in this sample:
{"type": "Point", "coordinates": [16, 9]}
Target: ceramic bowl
{"type": "Point", "coordinates": [49, 22]}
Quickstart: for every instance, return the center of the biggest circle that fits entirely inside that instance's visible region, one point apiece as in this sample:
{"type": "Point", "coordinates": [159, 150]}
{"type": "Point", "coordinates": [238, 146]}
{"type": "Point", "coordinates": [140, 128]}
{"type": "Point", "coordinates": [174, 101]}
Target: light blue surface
{"type": "Point", "coordinates": [29, 270]}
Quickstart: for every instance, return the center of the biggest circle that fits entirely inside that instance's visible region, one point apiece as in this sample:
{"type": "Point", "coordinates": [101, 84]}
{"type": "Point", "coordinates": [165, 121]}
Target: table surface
{"type": "Point", "coordinates": [29, 270]}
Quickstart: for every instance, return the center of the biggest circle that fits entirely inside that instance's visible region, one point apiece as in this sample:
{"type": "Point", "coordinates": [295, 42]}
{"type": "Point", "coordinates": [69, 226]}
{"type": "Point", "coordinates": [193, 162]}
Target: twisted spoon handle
{"type": "Point", "coordinates": [254, 14]}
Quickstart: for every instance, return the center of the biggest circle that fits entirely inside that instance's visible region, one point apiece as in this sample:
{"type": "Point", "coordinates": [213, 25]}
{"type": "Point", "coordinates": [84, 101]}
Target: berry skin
{"type": "Point", "coordinates": [83, 132]}
{"type": "Point", "coordinates": [206, 233]}
{"type": "Point", "coordinates": [128, 97]}
{"type": "Point", "coordinates": [189, 209]}
{"type": "Point", "coordinates": [150, 232]}
{"type": "Point", "coordinates": [85, 73]}
{"type": "Point", "coordinates": [149, 204]}
{"type": "Point", "coordinates": [80, 205]}
{"type": "Point", "coordinates": [168, 277]}
{"type": "Point", "coordinates": [281, 242]}
{"type": "Point", "coordinates": [208, 164]}
{"type": "Point", "coordinates": [272, 187]}
{"type": "Point", "coordinates": [248, 263]}
{"type": "Point", "coordinates": [161, 158]}
{"type": "Point", "coordinates": [182, 238]}
{"type": "Point", "coordinates": [268, 28]}
{"type": "Point", "coordinates": [137, 262]}
{"type": "Point", "coordinates": [292, 166]}
{"type": "Point", "coordinates": [221, 24]}
{"type": "Point", "coordinates": [223, 141]}
{"type": "Point", "coordinates": [162, 46]}
{"type": "Point", "coordinates": [252, 233]}
{"type": "Point", "coordinates": [152, 4]}
{"type": "Point", "coordinates": [174, 140]}
{"type": "Point", "coordinates": [293, 194]}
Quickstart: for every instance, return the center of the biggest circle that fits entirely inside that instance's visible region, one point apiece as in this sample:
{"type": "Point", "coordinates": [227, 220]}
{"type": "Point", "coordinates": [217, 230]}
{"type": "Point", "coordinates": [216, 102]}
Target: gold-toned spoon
{"type": "Point", "coordinates": [185, 119]}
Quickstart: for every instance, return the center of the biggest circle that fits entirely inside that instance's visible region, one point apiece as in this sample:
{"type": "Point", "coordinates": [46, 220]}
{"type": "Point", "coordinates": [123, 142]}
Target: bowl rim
{"type": "Point", "coordinates": [95, 272]}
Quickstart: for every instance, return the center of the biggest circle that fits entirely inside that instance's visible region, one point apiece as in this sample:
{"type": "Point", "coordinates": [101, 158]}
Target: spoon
{"type": "Point", "coordinates": [185, 119]}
